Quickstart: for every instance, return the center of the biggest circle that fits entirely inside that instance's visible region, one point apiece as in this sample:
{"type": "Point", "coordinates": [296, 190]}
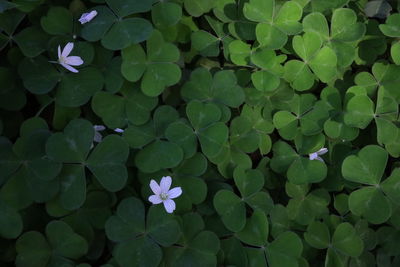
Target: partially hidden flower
{"type": "Point", "coordinates": [316, 155]}
{"type": "Point", "coordinates": [66, 61]}
{"type": "Point", "coordinates": [86, 17]}
{"type": "Point", "coordinates": [162, 193]}
{"type": "Point", "coordinates": [97, 135]}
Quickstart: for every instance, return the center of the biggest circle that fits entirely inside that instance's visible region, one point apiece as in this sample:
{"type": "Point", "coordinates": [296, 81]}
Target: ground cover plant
{"type": "Point", "coordinates": [199, 133]}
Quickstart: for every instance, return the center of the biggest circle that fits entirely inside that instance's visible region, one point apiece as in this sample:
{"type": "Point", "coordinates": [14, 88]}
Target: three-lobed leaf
{"type": "Point", "coordinates": [231, 209]}
{"type": "Point", "coordinates": [157, 69]}
{"type": "Point", "coordinates": [367, 166]}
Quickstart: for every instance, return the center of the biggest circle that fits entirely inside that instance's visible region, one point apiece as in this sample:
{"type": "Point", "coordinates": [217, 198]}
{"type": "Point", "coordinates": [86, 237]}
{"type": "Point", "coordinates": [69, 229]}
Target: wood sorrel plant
{"type": "Point", "coordinates": [145, 133]}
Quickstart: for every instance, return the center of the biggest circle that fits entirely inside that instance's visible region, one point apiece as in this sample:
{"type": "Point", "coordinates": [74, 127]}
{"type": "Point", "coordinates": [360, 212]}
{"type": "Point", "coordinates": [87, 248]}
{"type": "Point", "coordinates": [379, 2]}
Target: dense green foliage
{"type": "Point", "coordinates": [236, 100]}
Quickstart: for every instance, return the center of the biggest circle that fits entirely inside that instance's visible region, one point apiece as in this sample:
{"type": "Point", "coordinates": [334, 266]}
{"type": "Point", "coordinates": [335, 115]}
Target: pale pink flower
{"type": "Point", "coordinates": [66, 61]}
{"type": "Point", "coordinates": [86, 17]}
{"type": "Point", "coordinates": [97, 135]}
{"type": "Point", "coordinates": [162, 193]}
{"type": "Point", "coordinates": [316, 155]}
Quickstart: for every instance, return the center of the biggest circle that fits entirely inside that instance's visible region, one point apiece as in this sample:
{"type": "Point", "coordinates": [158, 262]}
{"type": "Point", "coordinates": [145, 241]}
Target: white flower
{"type": "Point", "coordinates": [163, 194]}
{"type": "Point", "coordinates": [97, 135]}
{"type": "Point", "coordinates": [316, 155]}
{"type": "Point", "coordinates": [67, 61]}
{"type": "Point", "coordinates": [86, 17]}
{"type": "Point", "coordinates": [119, 130]}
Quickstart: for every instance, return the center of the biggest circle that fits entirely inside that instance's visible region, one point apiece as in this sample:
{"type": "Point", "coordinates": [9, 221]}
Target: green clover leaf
{"type": "Point", "coordinates": [248, 132]}
{"type": "Point", "coordinates": [157, 69]}
{"type": "Point", "coordinates": [125, 8]}
{"type": "Point", "coordinates": [305, 112]}
{"type": "Point", "coordinates": [231, 209]}
{"type": "Point", "coordinates": [11, 223]}
{"type": "Point", "coordinates": [323, 64]}
{"type": "Point", "coordinates": [116, 111]}
{"type": "Point", "coordinates": [115, 31]}
{"type": "Point", "coordinates": [344, 32]}
{"type": "Point", "coordinates": [32, 171]}
{"type": "Point", "coordinates": [267, 79]}
{"type": "Point", "coordinates": [35, 250]}
{"type": "Point", "coordinates": [76, 89]}
{"type": "Point", "coordinates": [198, 245]}
{"type": "Point", "coordinates": [198, 7]}
{"type": "Point", "coordinates": [239, 52]}
{"type": "Point", "coordinates": [255, 232]}
{"type": "Point", "coordinates": [127, 229]}
{"type": "Point", "coordinates": [274, 25]}
{"type": "Point", "coordinates": [166, 14]}
{"type": "Point", "coordinates": [367, 167]}
{"type": "Point", "coordinates": [211, 133]}
{"type": "Point", "coordinates": [285, 250]}
{"type": "Point", "coordinates": [299, 170]}
{"type": "Point", "coordinates": [32, 41]}
{"type": "Point", "coordinates": [222, 88]}
{"type": "Point", "coordinates": [57, 21]}
{"type": "Point", "coordinates": [360, 112]}
{"type": "Point", "coordinates": [182, 134]}
{"type": "Point", "coordinates": [298, 73]}
{"type": "Point", "coordinates": [317, 235]}
{"type": "Point", "coordinates": [159, 155]}
{"type": "Point", "coordinates": [106, 161]}
{"type": "Point", "coordinates": [391, 28]}
{"type": "Point", "coordinates": [305, 207]}
{"type": "Point", "coordinates": [188, 176]}
{"type": "Point", "coordinates": [345, 239]}
{"type": "Point", "coordinates": [33, 72]}
{"type": "Point", "coordinates": [335, 126]}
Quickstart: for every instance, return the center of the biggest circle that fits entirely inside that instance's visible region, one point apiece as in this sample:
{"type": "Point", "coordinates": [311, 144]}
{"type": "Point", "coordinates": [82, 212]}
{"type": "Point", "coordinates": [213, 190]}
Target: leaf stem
{"type": "Point", "coordinates": [44, 107]}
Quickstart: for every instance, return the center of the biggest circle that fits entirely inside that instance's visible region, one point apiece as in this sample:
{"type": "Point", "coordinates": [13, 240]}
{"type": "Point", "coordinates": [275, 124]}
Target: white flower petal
{"type": "Point", "coordinates": [86, 17]}
{"type": "Point", "coordinates": [118, 130]}
{"type": "Point", "coordinates": [320, 159]}
{"type": "Point", "coordinates": [155, 187]}
{"type": "Point", "coordinates": [322, 151]}
{"type": "Point", "coordinates": [313, 156]}
{"type": "Point", "coordinates": [99, 128]}
{"type": "Point", "coordinates": [92, 14]}
{"type": "Point", "coordinates": [68, 67]}
{"type": "Point", "coordinates": [74, 61]}
{"type": "Point", "coordinates": [165, 183]}
{"type": "Point", "coordinates": [175, 192]}
{"type": "Point", "coordinates": [155, 199]}
{"type": "Point", "coordinates": [67, 49]}
{"type": "Point", "coordinates": [59, 52]}
{"type": "Point", "coordinates": [97, 137]}
{"type": "Point", "coordinates": [169, 205]}
{"type": "Point", "coordinates": [82, 19]}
